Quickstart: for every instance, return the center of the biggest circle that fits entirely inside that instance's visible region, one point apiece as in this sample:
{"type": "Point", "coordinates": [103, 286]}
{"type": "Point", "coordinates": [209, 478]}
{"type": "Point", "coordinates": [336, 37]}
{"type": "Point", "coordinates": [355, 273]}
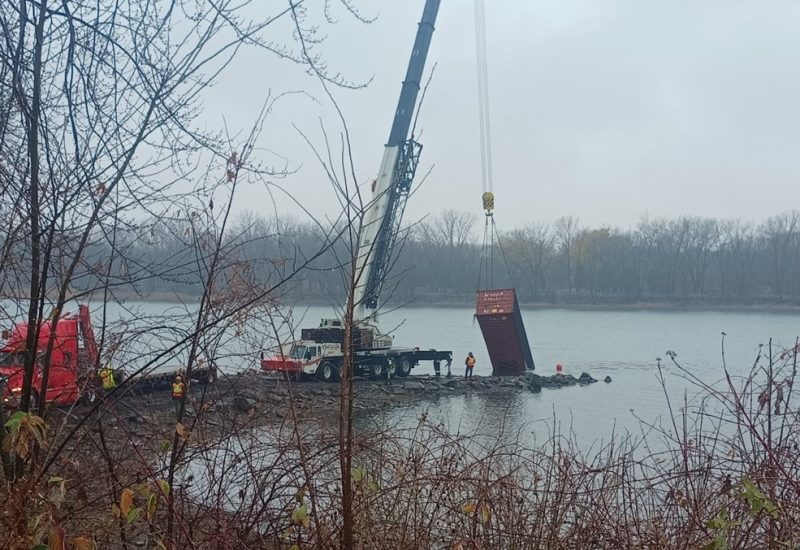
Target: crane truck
{"type": "Point", "coordinates": [319, 352]}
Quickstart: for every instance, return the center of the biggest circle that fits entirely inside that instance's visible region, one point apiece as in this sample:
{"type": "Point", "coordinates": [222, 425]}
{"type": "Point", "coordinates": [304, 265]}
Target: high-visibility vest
{"type": "Point", "coordinates": [107, 378]}
{"type": "Point", "coordinates": [178, 389]}
{"type": "Point", "coordinates": [470, 362]}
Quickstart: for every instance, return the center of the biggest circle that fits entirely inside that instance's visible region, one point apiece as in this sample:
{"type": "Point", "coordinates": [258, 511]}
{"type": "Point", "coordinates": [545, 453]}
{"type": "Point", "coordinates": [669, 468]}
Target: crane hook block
{"type": "Point", "coordinates": [488, 202]}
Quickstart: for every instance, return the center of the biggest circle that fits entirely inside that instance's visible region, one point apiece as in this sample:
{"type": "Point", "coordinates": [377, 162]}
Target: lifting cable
{"type": "Point", "coordinates": [486, 269]}
{"type": "Point", "coordinates": [483, 96]}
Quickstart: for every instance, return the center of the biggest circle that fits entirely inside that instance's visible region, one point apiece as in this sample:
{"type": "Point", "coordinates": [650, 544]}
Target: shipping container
{"type": "Point", "coordinates": [503, 331]}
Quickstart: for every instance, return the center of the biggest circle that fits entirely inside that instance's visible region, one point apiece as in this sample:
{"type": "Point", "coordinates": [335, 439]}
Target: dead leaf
{"type": "Point", "coordinates": [126, 502]}
{"type": "Point", "coordinates": [486, 513]}
{"type": "Point", "coordinates": [183, 432]}
{"type": "Point", "coordinates": [152, 503]}
{"type": "Point", "coordinates": [82, 543]}
{"type": "Point", "coordinates": [56, 539]}
{"type": "Point", "coordinates": [164, 486]}
{"type": "Point", "coordinates": [763, 399]}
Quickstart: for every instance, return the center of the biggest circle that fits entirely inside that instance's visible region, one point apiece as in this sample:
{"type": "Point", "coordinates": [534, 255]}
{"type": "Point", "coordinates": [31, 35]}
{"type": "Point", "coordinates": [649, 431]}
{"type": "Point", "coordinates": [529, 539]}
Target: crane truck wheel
{"type": "Point", "coordinates": [211, 376]}
{"type": "Point", "coordinates": [328, 372]}
{"type": "Point", "coordinates": [379, 370]}
{"type": "Point", "coordinates": [33, 405]}
{"type": "Point", "coordinates": [89, 396]}
{"type": "Point", "coordinates": [403, 367]}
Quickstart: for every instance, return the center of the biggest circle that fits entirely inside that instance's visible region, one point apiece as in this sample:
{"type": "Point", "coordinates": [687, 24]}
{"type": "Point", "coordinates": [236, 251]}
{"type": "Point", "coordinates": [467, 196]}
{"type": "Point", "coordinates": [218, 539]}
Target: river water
{"type": "Point", "coordinates": [622, 344]}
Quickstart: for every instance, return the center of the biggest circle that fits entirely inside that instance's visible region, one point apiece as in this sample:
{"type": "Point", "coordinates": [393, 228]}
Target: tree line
{"type": "Point", "coordinates": [687, 260]}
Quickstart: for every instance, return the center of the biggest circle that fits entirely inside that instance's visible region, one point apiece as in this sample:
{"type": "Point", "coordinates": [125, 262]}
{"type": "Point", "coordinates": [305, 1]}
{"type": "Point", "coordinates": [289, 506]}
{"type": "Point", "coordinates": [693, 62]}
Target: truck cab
{"type": "Point", "coordinates": [301, 357]}
{"type": "Point", "coordinates": [72, 360]}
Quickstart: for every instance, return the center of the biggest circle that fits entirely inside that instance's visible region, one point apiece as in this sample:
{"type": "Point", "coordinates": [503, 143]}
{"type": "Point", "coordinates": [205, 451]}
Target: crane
{"type": "Point", "coordinates": [319, 351]}
{"type": "Point", "coordinates": [382, 218]}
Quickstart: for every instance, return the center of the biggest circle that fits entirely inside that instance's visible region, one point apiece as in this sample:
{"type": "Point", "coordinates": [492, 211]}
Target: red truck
{"type": "Point", "coordinates": [72, 361]}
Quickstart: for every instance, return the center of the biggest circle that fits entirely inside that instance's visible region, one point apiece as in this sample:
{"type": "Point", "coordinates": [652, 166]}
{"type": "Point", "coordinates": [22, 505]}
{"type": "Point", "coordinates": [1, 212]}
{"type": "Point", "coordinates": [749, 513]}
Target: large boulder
{"type": "Point", "coordinates": [561, 380]}
{"type": "Point", "coordinates": [586, 378]}
{"type": "Point", "coordinates": [243, 404]}
{"type": "Point", "coordinates": [607, 379]}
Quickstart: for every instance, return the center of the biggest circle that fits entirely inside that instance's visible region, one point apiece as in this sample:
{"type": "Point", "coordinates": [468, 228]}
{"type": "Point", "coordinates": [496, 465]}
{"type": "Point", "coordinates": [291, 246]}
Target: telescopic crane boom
{"type": "Point", "coordinates": [320, 351]}
{"type": "Point", "coordinates": [391, 188]}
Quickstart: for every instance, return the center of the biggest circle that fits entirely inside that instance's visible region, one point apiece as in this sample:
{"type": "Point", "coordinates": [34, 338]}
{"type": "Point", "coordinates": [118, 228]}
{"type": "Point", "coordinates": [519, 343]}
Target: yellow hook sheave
{"type": "Point", "coordinates": [488, 202]}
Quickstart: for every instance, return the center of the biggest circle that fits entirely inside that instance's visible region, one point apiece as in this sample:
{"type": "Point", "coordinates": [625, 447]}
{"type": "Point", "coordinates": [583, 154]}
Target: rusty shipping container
{"type": "Point", "coordinates": [500, 320]}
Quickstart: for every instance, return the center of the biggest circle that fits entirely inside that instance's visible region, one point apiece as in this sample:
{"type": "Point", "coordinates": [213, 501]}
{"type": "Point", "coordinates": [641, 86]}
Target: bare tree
{"type": "Point", "coordinates": [100, 155]}
{"type": "Point", "coordinates": [567, 229]}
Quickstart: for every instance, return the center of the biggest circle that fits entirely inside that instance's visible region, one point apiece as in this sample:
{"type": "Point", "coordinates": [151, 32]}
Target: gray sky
{"type": "Point", "coordinates": [605, 111]}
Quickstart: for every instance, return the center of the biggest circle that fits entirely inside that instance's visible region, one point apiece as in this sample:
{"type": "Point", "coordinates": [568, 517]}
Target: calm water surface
{"type": "Point", "coordinates": [621, 344]}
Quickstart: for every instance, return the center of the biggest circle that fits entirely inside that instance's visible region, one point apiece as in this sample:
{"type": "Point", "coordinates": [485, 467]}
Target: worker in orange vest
{"type": "Point", "coordinates": [178, 390]}
{"type": "Point", "coordinates": [470, 363]}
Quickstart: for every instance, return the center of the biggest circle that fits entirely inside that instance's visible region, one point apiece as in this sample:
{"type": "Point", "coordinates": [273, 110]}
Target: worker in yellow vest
{"type": "Point", "coordinates": [178, 391]}
{"type": "Point", "coordinates": [470, 363]}
{"type": "Point", "coordinates": [107, 378]}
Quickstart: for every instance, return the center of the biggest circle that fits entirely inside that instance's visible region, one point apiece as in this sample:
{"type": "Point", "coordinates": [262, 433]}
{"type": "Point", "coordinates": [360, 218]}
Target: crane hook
{"type": "Point", "coordinates": [488, 202]}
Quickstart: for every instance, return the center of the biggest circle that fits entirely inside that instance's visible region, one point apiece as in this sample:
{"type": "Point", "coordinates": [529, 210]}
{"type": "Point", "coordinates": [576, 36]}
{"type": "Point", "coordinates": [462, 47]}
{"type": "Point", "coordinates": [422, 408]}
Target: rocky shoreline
{"type": "Point", "coordinates": [380, 393]}
{"type": "Point", "coordinates": [252, 398]}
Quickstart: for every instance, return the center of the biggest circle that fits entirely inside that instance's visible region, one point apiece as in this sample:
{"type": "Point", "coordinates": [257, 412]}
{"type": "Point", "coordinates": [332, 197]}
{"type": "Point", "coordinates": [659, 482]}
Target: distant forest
{"type": "Point", "coordinates": [684, 261]}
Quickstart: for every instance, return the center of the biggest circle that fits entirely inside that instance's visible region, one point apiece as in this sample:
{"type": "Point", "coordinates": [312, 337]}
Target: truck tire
{"type": "Point", "coordinates": [403, 367]}
{"type": "Point", "coordinates": [33, 405]}
{"type": "Point", "coordinates": [89, 395]}
{"type": "Point", "coordinates": [328, 372]}
{"type": "Point", "coordinates": [379, 370]}
{"type": "Point", "coordinates": [210, 377]}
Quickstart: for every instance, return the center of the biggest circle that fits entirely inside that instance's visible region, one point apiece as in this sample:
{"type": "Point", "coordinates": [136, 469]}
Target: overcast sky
{"type": "Point", "coordinates": [605, 111]}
